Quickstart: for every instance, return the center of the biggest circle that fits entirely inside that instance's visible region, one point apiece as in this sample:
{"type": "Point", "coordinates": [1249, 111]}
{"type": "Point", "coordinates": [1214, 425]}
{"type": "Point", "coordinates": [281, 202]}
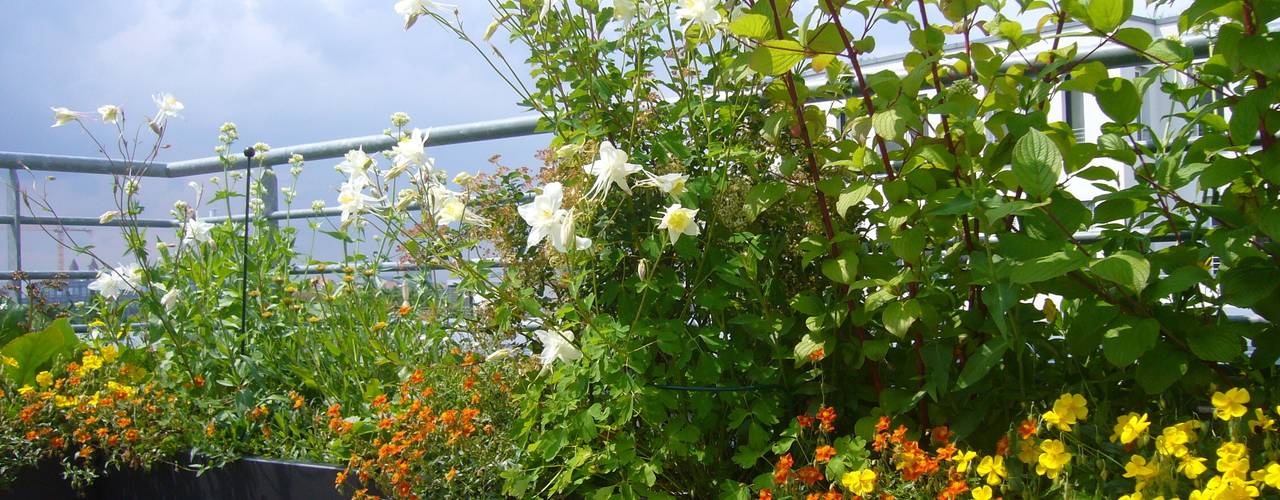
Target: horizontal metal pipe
{"type": "Point", "coordinates": [440, 136]}
{"type": "Point", "coordinates": [78, 164]}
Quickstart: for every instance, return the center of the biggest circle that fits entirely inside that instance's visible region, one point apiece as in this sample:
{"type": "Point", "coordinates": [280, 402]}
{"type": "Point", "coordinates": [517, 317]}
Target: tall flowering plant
{"type": "Point", "coordinates": [740, 219]}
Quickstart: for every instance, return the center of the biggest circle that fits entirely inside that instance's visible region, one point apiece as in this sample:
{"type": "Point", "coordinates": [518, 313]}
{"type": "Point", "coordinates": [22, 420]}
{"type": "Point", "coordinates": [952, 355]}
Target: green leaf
{"type": "Point", "coordinates": [1047, 267]}
{"type": "Point", "coordinates": [908, 245]}
{"type": "Point", "coordinates": [806, 347]}
{"type": "Point", "coordinates": [1221, 343]}
{"type": "Point", "coordinates": [1128, 339]}
{"type": "Point", "coordinates": [1159, 369]}
{"type": "Point", "coordinates": [981, 362]}
{"type": "Point", "coordinates": [775, 57]}
{"type": "Point", "coordinates": [36, 350]}
{"type": "Point", "coordinates": [761, 196]}
{"type": "Point", "coordinates": [755, 26]}
{"type": "Point", "coordinates": [1037, 163]}
{"type": "Point", "coordinates": [1107, 15]}
{"type": "Point", "coordinates": [1126, 268]}
{"type": "Point", "coordinates": [1118, 99]}
{"type": "Point", "coordinates": [898, 316]}
{"type": "Point", "coordinates": [857, 192]}
{"type": "Point", "coordinates": [843, 269]}
{"type": "Point", "coordinates": [888, 124]}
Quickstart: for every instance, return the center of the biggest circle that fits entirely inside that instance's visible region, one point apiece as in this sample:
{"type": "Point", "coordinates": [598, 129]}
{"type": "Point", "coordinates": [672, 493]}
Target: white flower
{"type": "Point", "coordinates": [169, 299]}
{"type": "Point", "coordinates": [562, 237]}
{"type": "Point", "coordinates": [679, 220]}
{"type": "Point", "coordinates": [356, 165]}
{"type": "Point", "coordinates": [556, 346]}
{"type": "Point", "coordinates": [317, 205]}
{"type": "Point", "coordinates": [410, 151]}
{"type": "Point", "coordinates": [166, 107]}
{"type": "Point", "coordinates": [289, 194]}
{"type": "Point", "coordinates": [541, 213]}
{"type": "Point", "coordinates": [108, 216]}
{"type": "Point", "coordinates": [112, 282]}
{"type": "Point", "coordinates": [353, 200]}
{"type": "Point", "coordinates": [405, 198]}
{"type": "Point", "coordinates": [612, 168]}
{"type": "Point", "coordinates": [546, 7]}
{"type": "Point", "coordinates": [411, 9]}
{"type": "Point", "coordinates": [505, 352]}
{"type": "Point", "coordinates": [672, 184]}
{"type": "Point", "coordinates": [463, 178]}
{"type": "Point", "coordinates": [110, 113]}
{"type": "Point", "coordinates": [197, 231]}
{"type": "Point", "coordinates": [63, 116]}
{"type": "Point", "coordinates": [699, 11]}
{"type": "Point", "coordinates": [448, 207]}
{"type": "Point", "coordinates": [624, 10]}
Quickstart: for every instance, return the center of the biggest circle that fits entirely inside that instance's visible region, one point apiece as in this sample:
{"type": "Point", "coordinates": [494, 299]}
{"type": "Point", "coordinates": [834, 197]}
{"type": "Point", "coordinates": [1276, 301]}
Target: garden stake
{"type": "Point", "coordinates": [244, 262]}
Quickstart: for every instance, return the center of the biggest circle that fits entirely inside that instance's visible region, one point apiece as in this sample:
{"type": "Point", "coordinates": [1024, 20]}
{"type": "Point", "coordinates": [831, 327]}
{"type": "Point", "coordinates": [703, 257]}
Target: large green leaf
{"type": "Point", "coordinates": [1037, 163]}
{"type": "Point", "coordinates": [981, 362]}
{"type": "Point", "coordinates": [1160, 369]}
{"type": "Point", "coordinates": [1221, 343]}
{"type": "Point", "coordinates": [1125, 268]}
{"type": "Point", "coordinates": [1047, 267]}
{"type": "Point", "coordinates": [1107, 15]}
{"type": "Point", "coordinates": [1128, 339]}
{"type": "Point", "coordinates": [761, 196]}
{"type": "Point", "coordinates": [898, 316]}
{"type": "Point", "coordinates": [755, 26]}
{"type": "Point", "coordinates": [775, 57]}
{"type": "Point", "coordinates": [36, 350]}
{"type": "Point", "coordinates": [842, 270]}
{"type": "Point", "coordinates": [1118, 99]}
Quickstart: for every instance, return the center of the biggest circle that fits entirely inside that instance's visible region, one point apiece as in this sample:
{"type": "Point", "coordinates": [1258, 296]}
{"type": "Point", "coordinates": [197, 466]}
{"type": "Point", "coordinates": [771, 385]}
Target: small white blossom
{"type": "Point", "coordinates": [63, 116]}
{"type": "Point", "coordinates": [556, 346]}
{"type": "Point", "coordinates": [610, 169]}
{"type": "Point", "coordinates": [399, 118]}
{"type": "Point", "coordinates": [679, 221]}
{"type": "Point", "coordinates": [110, 113]}
{"type": "Point", "coordinates": [704, 12]}
{"type": "Point", "coordinates": [672, 184]}
{"type": "Point", "coordinates": [289, 194]}
{"type": "Point", "coordinates": [170, 299]}
{"type": "Point", "coordinates": [462, 178]}
{"type": "Point", "coordinates": [261, 147]}
{"type": "Point", "coordinates": [131, 186]}
{"type": "Point", "coordinates": [317, 205]}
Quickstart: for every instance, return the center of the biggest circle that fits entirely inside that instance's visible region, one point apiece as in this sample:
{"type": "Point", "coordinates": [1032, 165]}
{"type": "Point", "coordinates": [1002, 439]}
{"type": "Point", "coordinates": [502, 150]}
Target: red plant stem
{"type": "Point", "coordinates": [852, 54]}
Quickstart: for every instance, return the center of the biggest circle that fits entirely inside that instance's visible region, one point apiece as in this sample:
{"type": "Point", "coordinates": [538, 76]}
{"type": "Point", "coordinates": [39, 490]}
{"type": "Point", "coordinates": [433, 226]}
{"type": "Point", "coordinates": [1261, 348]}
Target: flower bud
{"type": "Point", "coordinates": [642, 270]}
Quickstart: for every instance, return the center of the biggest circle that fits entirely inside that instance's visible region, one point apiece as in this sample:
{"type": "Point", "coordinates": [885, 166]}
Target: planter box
{"type": "Point", "coordinates": [246, 478]}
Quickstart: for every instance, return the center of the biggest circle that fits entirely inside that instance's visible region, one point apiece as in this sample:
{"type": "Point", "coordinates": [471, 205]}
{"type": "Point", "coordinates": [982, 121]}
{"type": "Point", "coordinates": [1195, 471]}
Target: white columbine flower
{"type": "Point", "coordinates": [612, 168]}
{"type": "Point", "coordinates": [63, 116]}
{"type": "Point", "coordinates": [672, 184]}
{"type": "Point", "coordinates": [353, 200]}
{"type": "Point", "coordinates": [356, 165]}
{"type": "Point", "coordinates": [505, 352]}
{"type": "Point", "coordinates": [556, 346]}
{"type": "Point", "coordinates": [166, 107]}
{"type": "Point", "coordinates": [197, 231]}
{"type": "Point", "coordinates": [110, 113]}
{"type": "Point", "coordinates": [409, 151]}
{"type": "Point", "coordinates": [704, 12]}
{"type": "Point", "coordinates": [108, 216]}
{"type": "Point", "coordinates": [112, 282]}
{"type": "Point", "coordinates": [562, 237]}
{"type": "Point", "coordinates": [541, 213]}
{"type": "Point", "coordinates": [679, 220]}
{"type": "Point", "coordinates": [169, 299]}
{"type": "Point", "coordinates": [411, 9]}
{"type": "Point", "coordinates": [624, 10]}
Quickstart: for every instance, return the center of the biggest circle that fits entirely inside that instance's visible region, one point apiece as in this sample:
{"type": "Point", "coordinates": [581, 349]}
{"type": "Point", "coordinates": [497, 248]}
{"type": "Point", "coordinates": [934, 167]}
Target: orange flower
{"type": "Point", "coordinates": [809, 475]}
{"type": "Point", "coordinates": [131, 435]}
{"type": "Point", "coordinates": [85, 452]}
{"type": "Point", "coordinates": [882, 425]}
{"type": "Point", "coordinates": [199, 381]}
{"type": "Point", "coordinates": [941, 434]}
{"type": "Point", "coordinates": [833, 495]}
{"type": "Point", "coordinates": [57, 442]}
{"type": "Point", "coordinates": [805, 421]}
{"type": "Point", "coordinates": [404, 309]}
{"type": "Point", "coordinates": [827, 415]}
{"type": "Point", "coordinates": [766, 494]}
{"type": "Point", "coordinates": [379, 401]}
{"type": "Point", "coordinates": [817, 355]}
{"type": "Point", "coordinates": [340, 479]}
{"type": "Point", "coordinates": [782, 470]}
{"type": "Point", "coordinates": [1002, 446]}
{"type": "Point", "coordinates": [948, 451]}
{"type": "Point", "coordinates": [824, 453]}
{"type": "Point", "coordinates": [953, 490]}
{"type": "Point", "coordinates": [1027, 428]}
{"type": "Point", "coordinates": [452, 474]}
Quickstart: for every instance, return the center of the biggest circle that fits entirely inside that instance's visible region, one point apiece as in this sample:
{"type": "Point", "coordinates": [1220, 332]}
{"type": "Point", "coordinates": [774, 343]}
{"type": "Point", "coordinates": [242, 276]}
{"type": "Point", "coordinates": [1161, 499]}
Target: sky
{"type": "Point", "coordinates": [286, 72]}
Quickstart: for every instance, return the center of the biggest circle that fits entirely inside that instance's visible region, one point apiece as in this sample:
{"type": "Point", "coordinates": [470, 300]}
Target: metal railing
{"type": "Point", "coordinates": [1112, 56]}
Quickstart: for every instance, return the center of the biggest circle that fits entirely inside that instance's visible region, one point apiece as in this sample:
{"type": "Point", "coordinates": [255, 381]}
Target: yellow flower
{"type": "Point", "coordinates": [44, 378]}
{"type": "Point", "coordinates": [64, 401]}
{"type": "Point", "coordinates": [1262, 422]}
{"type": "Point", "coordinates": [1271, 475]}
{"type": "Point", "coordinates": [126, 390]}
{"type": "Point", "coordinates": [1172, 442]}
{"type": "Point", "coordinates": [1226, 487]}
{"type": "Point", "coordinates": [859, 482]}
{"type": "Point", "coordinates": [1072, 407]}
{"type": "Point", "coordinates": [1192, 466]}
{"type": "Point", "coordinates": [981, 493]}
{"type": "Point", "coordinates": [1233, 460]}
{"type": "Point", "coordinates": [9, 361]}
{"type": "Point", "coordinates": [1028, 452]}
{"type": "Point", "coordinates": [993, 469]}
{"type": "Point", "coordinates": [1054, 458]}
{"type": "Point", "coordinates": [963, 459]}
{"type": "Point", "coordinates": [90, 362]}
{"type": "Point", "coordinates": [1139, 469]}
{"type": "Point", "coordinates": [1231, 404]}
{"type": "Point", "coordinates": [110, 353]}
{"type": "Point", "coordinates": [25, 390]}
{"type": "Point", "coordinates": [1129, 428]}
{"type": "Point", "coordinates": [1054, 419]}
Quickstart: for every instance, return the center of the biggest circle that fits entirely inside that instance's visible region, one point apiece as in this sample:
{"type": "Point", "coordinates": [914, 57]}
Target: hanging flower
{"type": "Point", "coordinates": [704, 12]}
{"type": "Point", "coordinates": [448, 207]}
{"type": "Point", "coordinates": [110, 113]}
{"type": "Point", "coordinates": [63, 116]}
{"type": "Point", "coordinates": [169, 299]}
{"type": "Point", "coordinates": [540, 214]}
{"type": "Point", "coordinates": [356, 165]}
{"type": "Point", "coordinates": [556, 346]}
{"type": "Point", "coordinates": [672, 184]}
{"type": "Point", "coordinates": [166, 107]}
{"type": "Point", "coordinates": [679, 221]}
{"type": "Point", "coordinates": [411, 150]}
{"type": "Point", "coordinates": [611, 169]}
{"type": "Point", "coordinates": [411, 9]}
{"type": "Point", "coordinates": [197, 231]}
{"type": "Point", "coordinates": [353, 200]}
{"type": "Point", "coordinates": [563, 238]}
{"type": "Point", "coordinates": [624, 10]}
{"type": "Point", "coordinates": [110, 283]}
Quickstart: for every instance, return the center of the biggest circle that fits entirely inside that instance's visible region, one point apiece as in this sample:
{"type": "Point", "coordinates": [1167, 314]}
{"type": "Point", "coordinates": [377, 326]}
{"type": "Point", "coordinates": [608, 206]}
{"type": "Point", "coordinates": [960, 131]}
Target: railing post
{"type": "Point", "coordinates": [15, 229]}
